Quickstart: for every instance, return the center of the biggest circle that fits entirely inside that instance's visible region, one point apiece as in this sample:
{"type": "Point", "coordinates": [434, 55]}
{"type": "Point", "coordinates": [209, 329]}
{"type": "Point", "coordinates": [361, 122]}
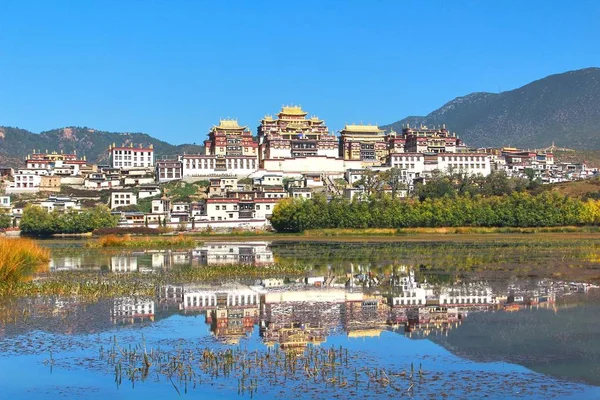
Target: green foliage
{"type": "Point", "coordinates": [36, 221]}
{"type": "Point", "coordinates": [5, 220]}
{"type": "Point", "coordinates": [183, 191]}
{"type": "Point", "coordinates": [519, 209]}
{"type": "Point", "coordinates": [459, 184]}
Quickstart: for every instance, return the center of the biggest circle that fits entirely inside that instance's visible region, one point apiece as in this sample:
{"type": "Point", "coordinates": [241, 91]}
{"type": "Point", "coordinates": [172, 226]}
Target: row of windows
{"type": "Point", "coordinates": [462, 158]}
{"type": "Point", "coordinates": [135, 153]}
{"type": "Point", "coordinates": [471, 166]}
{"type": "Point", "coordinates": [235, 207]}
{"type": "Point", "coordinates": [407, 158]}
{"type": "Point", "coordinates": [132, 164]}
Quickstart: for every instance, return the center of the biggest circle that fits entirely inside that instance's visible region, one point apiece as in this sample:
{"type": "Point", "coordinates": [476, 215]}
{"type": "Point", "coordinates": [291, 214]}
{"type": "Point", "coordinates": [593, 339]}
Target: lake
{"type": "Point", "coordinates": [506, 318]}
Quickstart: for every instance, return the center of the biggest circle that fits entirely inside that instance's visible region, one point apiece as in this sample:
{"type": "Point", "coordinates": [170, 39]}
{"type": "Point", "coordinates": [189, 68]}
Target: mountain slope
{"type": "Point", "coordinates": [562, 108]}
{"type": "Point", "coordinates": [16, 143]}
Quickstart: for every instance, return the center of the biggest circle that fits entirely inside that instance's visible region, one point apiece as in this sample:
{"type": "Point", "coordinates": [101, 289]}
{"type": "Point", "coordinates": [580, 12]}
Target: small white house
{"type": "Point", "coordinates": [122, 198]}
{"type": "Point", "coordinates": [148, 191]}
{"type": "Point", "coordinates": [4, 201]}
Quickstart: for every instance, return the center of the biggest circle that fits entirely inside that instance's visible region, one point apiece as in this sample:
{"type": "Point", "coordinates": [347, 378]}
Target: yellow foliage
{"type": "Point", "coordinates": [21, 258]}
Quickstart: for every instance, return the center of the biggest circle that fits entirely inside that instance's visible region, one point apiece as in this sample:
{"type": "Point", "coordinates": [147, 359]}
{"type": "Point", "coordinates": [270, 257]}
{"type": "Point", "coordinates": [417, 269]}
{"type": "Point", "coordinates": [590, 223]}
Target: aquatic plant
{"type": "Point", "coordinates": [20, 259]}
{"type": "Point", "coordinates": [126, 241]}
{"type": "Point", "coordinates": [311, 366]}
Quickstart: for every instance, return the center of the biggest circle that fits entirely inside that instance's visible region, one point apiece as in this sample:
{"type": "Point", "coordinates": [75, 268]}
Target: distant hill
{"type": "Point", "coordinates": [16, 143]}
{"type": "Point", "coordinates": [562, 108]}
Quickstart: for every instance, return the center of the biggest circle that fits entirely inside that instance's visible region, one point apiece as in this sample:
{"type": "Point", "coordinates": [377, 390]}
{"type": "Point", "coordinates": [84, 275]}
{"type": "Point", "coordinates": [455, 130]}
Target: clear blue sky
{"type": "Point", "coordinates": [173, 68]}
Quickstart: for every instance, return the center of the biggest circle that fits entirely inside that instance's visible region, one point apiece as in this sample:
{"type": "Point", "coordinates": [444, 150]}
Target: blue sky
{"type": "Point", "coordinates": [173, 68]}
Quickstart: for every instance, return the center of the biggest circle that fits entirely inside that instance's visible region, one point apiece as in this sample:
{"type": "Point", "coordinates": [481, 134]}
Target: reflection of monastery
{"type": "Point", "coordinates": [296, 315]}
{"type": "Point", "coordinates": [132, 309]}
{"type": "Point", "coordinates": [218, 253]}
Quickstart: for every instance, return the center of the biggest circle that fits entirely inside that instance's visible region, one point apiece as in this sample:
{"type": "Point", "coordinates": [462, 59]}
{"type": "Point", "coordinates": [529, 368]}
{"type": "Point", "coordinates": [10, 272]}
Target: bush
{"type": "Point", "coordinates": [21, 258]}
{"type": "Point", "coordinates": [518, 209]}
{"type": "Point", "coordinates": [38, 222]}
{"type": "Point", "coordinates": [138, 230]}
{"type": "Point", "coordinates": [5, 220]}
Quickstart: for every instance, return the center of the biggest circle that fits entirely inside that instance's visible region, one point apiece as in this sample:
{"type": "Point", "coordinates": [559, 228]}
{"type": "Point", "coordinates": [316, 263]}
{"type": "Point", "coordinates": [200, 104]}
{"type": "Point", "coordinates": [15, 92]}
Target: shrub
{"type": "Point", "coordinates": [21, 258]}
{"type": "Point", "coordinates": [138, 230]}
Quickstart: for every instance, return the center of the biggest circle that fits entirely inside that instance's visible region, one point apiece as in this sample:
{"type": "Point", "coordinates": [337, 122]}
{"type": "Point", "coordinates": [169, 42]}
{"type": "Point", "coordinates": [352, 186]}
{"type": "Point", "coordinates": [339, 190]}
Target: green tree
{"type": "Point", "coordinates": [5, 220]}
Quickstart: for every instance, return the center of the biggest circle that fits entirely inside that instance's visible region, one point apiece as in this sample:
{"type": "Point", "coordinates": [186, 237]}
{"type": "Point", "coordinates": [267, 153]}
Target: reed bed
{"type": "Point", "coordinates": [20, 259]}
{"type": "Point", "coordinates": [127, 241]}
{"type": "Point", "coordinates": [310, 368]}
{"type": "Point", "coordinates": [91, 286]}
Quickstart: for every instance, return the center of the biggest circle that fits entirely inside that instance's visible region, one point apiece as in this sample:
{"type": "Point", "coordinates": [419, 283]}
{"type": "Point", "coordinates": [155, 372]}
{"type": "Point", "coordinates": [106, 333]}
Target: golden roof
{"type": "Point", "coordinates": [362, 128]}
{"type": "Point", "coordinates": [229, 124]}
{"type": "Point", "coordinates": [292, 110]}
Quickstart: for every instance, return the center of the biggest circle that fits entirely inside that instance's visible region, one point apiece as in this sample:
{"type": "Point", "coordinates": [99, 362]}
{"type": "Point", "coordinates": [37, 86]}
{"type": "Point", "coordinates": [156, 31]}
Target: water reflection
{"type": "Point", "coordinates": [148, 261]}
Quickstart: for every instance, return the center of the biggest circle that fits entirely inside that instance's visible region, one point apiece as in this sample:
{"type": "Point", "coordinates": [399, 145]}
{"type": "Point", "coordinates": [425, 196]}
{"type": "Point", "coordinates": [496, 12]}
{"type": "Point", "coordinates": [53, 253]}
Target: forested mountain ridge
{"type": "Point", "coordinates": [16, 143]}
{"type": "Point", "coordinates": [562, 108]}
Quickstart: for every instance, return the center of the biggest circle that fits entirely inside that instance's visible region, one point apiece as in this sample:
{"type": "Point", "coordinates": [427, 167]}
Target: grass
{"type": "Point", "coordinates": [126, 241]}
{"type": "Point", "coordinates": [20, 259]}
{"type": "Point", "coordinates": [350, 232]}
{"type": "Point", "coordinates": [444, 231]}
{"type": "Point", "coordinates": [91, 286]}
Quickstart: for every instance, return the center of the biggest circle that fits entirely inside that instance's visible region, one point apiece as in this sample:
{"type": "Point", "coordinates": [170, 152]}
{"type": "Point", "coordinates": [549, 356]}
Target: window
{"type": "Point", "coordinates": [230, 215]}
{"type": "Point", "coordinates": [258, 207]}
{"type": "Point", "coordinates": [217, 207]}
{"type": "Point", "coordinates": [268, 206]}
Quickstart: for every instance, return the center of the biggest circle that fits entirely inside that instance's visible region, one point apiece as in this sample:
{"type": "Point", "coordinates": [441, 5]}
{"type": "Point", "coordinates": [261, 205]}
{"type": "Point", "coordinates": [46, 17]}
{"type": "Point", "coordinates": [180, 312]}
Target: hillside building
{"type": "Point", "coordinates": [366, 143]}
{"type": "Point", "coordinates": [129, 156]}
{"type": "Point", "coordinates": [430, 140]}
{"type": "Point", "coordinates": [292, 134]}
{"type": "Point", "coordinates": [230, 139]}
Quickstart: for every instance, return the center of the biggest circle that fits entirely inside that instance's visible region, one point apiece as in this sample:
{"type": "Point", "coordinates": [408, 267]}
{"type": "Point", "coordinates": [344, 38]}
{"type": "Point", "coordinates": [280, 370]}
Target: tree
{"type": "Point", "coordinates": [5, 220]}
{"type": "Point", "coordinates": [370, 180]}
{"type": "Point", "coordinates": [37, 221]}
{"type": "Point", "coordinates": [393, 177]}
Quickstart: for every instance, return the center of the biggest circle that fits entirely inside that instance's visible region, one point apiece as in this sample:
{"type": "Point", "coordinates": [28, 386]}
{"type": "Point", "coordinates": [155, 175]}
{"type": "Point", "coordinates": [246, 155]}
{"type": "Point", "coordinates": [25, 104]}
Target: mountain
{"type": "Point", "coordinates": [16, 143]}
{"type": "Point", "coordinates": [562, 108]}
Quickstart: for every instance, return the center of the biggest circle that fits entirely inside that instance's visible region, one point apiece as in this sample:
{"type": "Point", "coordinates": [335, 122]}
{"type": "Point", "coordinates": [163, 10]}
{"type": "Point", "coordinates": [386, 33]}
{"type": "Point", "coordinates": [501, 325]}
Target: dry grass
{"type": "Point", "coordinates": [577, 188]}
{"type": "Point", "coordinates": [20, 259]}
{"type": "Point", "coordinates": [350, 232]}
{"type": "Point", "coordinates": [127, 241]}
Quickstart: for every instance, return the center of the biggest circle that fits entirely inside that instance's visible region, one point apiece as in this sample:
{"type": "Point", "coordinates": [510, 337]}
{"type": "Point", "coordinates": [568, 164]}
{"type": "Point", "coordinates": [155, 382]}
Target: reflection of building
{"type": "Point", "coordinates": [211, 297]}
{"type": "Point", "coordinates": [425, 320]}
{"type": "Point", "coordinates": [132, 309]}
{"type": "Point", "coordinates": [231, 323]}
{"type": "Point", "coordinates": [65, 263]}
{"type": "Point", "coordinates": [366, 317]}
{"type": "Point", "coordinates": [472, 294]}
{"type": "Point", "coordinates": [123, 264]}
{"type": "Point", "coordinates": [294, 336]}
{"type": "Point", "coordinates": [219, 253]}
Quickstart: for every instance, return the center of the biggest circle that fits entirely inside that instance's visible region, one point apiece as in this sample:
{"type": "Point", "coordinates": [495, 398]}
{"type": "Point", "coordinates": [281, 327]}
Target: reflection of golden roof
{"type": "Point", "coordinates": [230, 339]}
{"type": "Point", "coordinates": [364, 333]}
{"type": "Point", "coordinates": [229, 124]}
{"type": "Point", "coordinates": [292, 110]}
{"type": "Point", "coordinates": [362, 128]}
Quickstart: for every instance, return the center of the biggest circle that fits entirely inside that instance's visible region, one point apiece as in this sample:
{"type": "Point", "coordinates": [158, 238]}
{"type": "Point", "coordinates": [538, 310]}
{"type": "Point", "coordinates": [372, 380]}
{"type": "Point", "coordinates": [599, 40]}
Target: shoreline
{"type": "Point", "coordinates": [371, 235]}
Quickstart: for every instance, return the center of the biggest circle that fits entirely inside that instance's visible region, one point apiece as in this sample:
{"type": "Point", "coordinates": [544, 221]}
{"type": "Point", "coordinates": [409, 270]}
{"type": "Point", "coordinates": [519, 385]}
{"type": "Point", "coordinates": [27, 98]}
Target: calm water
{"type": "Point", "coordinates": [369, 320]}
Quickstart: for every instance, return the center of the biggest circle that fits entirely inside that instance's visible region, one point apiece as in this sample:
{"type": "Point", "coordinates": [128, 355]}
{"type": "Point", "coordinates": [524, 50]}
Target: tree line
{"type": "Point", "coordinates": [517, 209]}
{"type": "Point", "coordinates": [38, 222]}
